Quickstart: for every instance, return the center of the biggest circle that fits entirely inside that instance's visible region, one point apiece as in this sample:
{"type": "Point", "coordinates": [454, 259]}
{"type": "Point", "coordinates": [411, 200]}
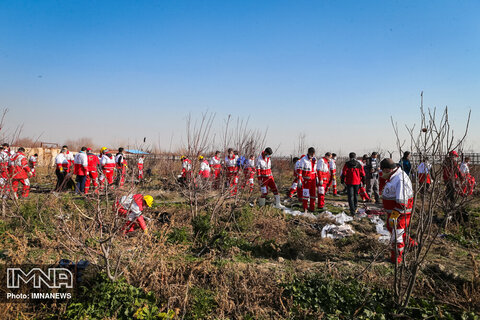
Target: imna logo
{"type": "Point", "coordinates": [54, 278]}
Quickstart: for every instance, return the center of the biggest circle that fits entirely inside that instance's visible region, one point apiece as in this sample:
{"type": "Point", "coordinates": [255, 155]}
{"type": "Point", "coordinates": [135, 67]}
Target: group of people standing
{"type": "Point", "coordinates": [393, 182]}
{"type": "Point", "coordinates": [16, 169]}
{"type": "Point", "coordinates": [313, 178]}
{"type": "Point", "coordinates": [230, 168]}
{"type": "Point", "coordinates": [92, 171]}
{"type": "Point", "coordinates": [456, 174]}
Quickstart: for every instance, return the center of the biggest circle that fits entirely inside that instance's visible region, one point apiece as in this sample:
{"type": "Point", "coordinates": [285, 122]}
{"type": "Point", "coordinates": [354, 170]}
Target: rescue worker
{"type": "Point", "coordinates": [101, 176]}
{"type": "Point", "coordinates": [307, 178]}
{"type": "Point", "coordinates": [102, 152]}
{"type": "Point", "coordinates": [19, 171]}
{"type": "Point", "coordinates": [121, 167]}
{"type": "Point", "coordinates": [296, 187]}
{"type": "Point", "coordinates": [424, 177]}
{"type": "Point", "coordinates": [361, 190]}
{"type": "Point", "coordinates": [265, 177]}
{"type": "Point", "coordinates": [108, 168]}
{"type": "Point", "coordinates": [62, 168]}
{"type": "Point", "coordinates": [32, 162]}
{"type": "Point", "coordinates": [323, 176]}
{"type": "Point", "coordinates": [397, 199]}
{"type": "Point", "coordinates": [468, 180]}
{"type": "Point", "coordinates": [70, 158]}
{"type": "Point", "coordinates": [186, 168]}
{"type": "Point", "coordinates": [92, 177]}
{"type": "Point", "coordinates": [81, 169]}
{"type": "Point", "coordinates": [204, 171]}
{"type": "Point", "coordinates": [140, 167]}
{"type": "Point", "coordinates": [371, 173]}
{"type": "Point", "coordinates": [4, 160]}
{"type": "Point", "coordinates": [451, 176]}
{"type": "Point", "coordinates": [332, 182]}
{"type": "Point", "coordinates": [352, 175]}
{"type": "Point", "coordinates": [132, 207]}
{"type": "Point", "coordinates": [231, 170]}
{"type": "Point", "coordinates": [216, 168]}
{"type": "Point", "coordinates": [249, 172]}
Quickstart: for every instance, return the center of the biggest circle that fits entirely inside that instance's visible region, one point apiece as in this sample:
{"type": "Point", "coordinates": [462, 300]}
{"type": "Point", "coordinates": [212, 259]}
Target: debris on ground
{"type": "Point", "coordinates": [334, 231]}
{"type": "Point", "coordinates": [340, 218]}
{"type": "Point", "coordinates": [374, 216]}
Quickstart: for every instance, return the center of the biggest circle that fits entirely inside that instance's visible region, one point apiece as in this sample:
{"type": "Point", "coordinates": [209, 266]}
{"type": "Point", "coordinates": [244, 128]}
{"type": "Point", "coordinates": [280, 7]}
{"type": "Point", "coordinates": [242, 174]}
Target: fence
{"type": "Point", "coordinates": [474, 158]}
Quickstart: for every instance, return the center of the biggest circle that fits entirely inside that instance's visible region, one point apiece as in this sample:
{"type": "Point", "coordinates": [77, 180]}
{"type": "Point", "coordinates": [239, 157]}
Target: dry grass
{"type": "Point", "coordinates": [242, 281]}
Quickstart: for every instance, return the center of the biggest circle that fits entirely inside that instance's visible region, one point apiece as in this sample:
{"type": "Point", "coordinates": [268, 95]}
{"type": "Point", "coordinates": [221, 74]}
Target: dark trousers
{"type": "Point", "coordinates": [352, 194]}
{"type": "Point", "coordinates": [450, 191]}
{"type": "Point", "coordinates": [80, 183]}
{"type": "Point", "coordinates": [60, 180]}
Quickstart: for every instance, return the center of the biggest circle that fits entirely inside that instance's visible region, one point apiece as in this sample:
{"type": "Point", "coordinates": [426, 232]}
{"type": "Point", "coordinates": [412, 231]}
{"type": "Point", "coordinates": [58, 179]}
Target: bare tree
{"type": "Point", "coordinates": [436, 139]}
{"type": "Point", "coordinates": [301, 144]}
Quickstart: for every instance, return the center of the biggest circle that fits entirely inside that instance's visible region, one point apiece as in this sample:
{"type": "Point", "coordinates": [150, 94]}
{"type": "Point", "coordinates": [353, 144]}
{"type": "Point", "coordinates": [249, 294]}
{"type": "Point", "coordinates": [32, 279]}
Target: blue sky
{"type": "Point", "coordinates": [118, 71]}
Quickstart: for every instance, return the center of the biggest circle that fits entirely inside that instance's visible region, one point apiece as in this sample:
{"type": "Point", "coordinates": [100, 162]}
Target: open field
{"type": "Point", "coordinates": [229, 259]}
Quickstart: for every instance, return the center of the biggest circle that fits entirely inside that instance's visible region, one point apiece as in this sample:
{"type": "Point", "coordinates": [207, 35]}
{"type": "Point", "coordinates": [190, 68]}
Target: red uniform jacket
{"type": "Point", "coordinates": [18, 166]}
{"type": "Point", "coordinates": [352, 172]}
{"type": "Point", "coordinates": [93, 162]}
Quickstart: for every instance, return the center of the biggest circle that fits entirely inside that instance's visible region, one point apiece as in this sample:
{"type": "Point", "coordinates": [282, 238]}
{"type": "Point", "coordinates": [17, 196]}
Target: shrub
{"type": "Point", "coordinates": [203, 303]}
{"type": "Point", "coordinates": [317, 295]}
{"type": "Point", "coordinates": [244, 218]}
{"type": "Point", "coordinates": [104, 298]}
{"type": "Point", "coordinates": [201, 228]}
{"type": "Point", "coordinates": [296, 244]}
{"type": "Point", "coordinates": [178, 235]}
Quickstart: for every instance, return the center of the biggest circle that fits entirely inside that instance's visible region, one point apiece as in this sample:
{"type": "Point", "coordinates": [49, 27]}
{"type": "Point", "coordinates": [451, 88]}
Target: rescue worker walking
{"type": "Point", "coordinates": [352, 175]}
{"type": "Point", "coordinates": [92, 177]}
{"type": "Point", "coordinates": [397, 196]}
{"type": "Point", "coordinates": [19, 171]}
{"type": "Point", "coordinates": [332, 165]}
{"type": "Point", "coordinates": [132, 207]}
{"type": "Point", "coordinates": [307, 179]}
{"type": "Point", "coordinates": [265, 177]}
{"type": "Point", "coordinates": [323, 175]}
{"type": "Point", "coordinates": [81, 170]}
